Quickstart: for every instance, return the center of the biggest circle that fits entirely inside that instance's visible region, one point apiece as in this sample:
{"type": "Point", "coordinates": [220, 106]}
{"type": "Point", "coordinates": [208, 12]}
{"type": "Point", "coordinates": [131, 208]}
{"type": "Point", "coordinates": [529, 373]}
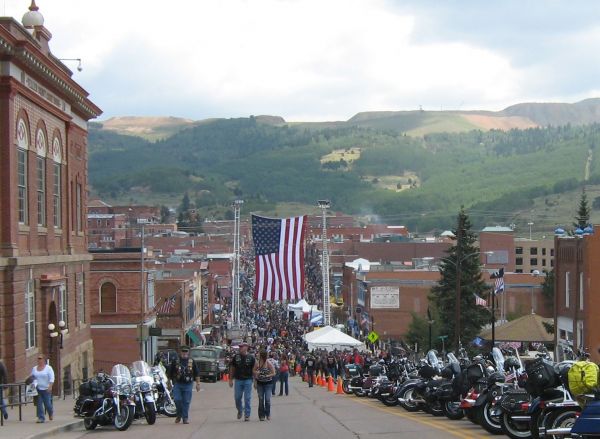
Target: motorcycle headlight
{"type": "Point", "coordinates": [145, 387]}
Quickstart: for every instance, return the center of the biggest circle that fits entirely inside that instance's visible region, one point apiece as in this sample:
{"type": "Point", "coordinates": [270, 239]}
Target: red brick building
{"type": "Point", "coordinates": [44, 264]}
{"type": "Point", "coordinates": [122, 299]}
{"type": "Point", "coordinates": [577, 282]}
{"type": "Point", "coordinates": [382, 299]}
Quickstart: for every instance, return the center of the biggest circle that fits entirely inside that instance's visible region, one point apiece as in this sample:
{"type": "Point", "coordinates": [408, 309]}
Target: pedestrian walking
{"type": "Point", "coordinates": [3, 380]}
{"type": "Point", "coordinates": [284, 373]}
{"type": "Point", "coordinates": [263, 373]}
{"type": "Point", "coordinates": [183, 371]}
{"type": "Point", "coordinates": [310, 364]}
{"type": "Point", "coordinates": [241, 370]}
{"type": "Point", "coordinates": [43, 374]}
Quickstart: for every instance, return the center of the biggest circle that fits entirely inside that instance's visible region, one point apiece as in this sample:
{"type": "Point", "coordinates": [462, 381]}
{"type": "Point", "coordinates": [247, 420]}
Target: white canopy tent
{"type": "Point", "coordinates": [329, 338]}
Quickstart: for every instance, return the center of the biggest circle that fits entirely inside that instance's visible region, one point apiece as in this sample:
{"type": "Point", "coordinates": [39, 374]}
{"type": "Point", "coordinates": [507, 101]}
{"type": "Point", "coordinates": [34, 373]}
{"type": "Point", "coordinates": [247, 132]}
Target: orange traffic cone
{"type": "Point", "coordinates": [225, 377]}
{"type": "Point", "coordinates": [340, 387]}
{"type": "Point", "coordinates": [324, 381]}
{"type": "Point", "coordinates": [330, 386]}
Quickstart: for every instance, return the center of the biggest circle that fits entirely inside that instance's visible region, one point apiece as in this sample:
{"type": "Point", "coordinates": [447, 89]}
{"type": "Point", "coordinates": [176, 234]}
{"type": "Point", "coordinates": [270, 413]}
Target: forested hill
{"type": "Point", "coordinates": [417, 181]}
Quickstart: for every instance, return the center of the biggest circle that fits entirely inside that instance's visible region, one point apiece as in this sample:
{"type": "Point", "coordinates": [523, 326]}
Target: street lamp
{"type": "Point", "coordinates": [458, 266]}
{"type": "Point", "coordinates": [62, 330]}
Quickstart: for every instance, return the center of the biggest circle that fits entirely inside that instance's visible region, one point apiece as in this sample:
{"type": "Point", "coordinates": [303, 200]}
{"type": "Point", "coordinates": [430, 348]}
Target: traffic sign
{"type": "Point", "coordinates": [373, 337]}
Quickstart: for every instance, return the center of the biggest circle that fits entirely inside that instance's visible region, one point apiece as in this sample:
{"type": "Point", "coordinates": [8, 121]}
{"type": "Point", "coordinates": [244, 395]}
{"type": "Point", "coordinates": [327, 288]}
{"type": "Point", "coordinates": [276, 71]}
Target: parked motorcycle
{"type": "Point", "coordinates": [165, 403]}
{"type": "Point", "coordinates": [143, 391]}
{"type": "Point", "coordinates": [106, 400]}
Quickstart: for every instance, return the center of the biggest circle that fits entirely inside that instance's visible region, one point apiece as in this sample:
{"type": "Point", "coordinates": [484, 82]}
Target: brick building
{"type": "Point", "coordinates": [44, 264]}
{"type": "Point", "coordinates": [122, 299]}
{"type": "Point", "coordinates": [382, 299]}
{"type": "Point", "coordinates": [576, 299]}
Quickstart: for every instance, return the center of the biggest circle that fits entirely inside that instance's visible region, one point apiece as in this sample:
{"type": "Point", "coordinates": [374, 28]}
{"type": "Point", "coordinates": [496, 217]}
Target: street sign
{"type": "Point", "coordinates": [155, 332]}
{"type": "Point", "coordinates": [373, 337]}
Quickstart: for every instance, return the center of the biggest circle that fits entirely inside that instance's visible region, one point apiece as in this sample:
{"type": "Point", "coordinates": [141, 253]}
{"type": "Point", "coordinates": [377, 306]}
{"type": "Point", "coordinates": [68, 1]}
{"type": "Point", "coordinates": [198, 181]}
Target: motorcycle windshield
{"type": "Point", "coordinates": [140, 369]}
{"type": "Point", "coordinates": [432, 358]}
{"type": "Point", "coordinates": [453, 363]}
{"type": "Point", "coordinates": [120, 374]}
{"type": "Point", "coordinates": [161, 371]}
{"type": "Point", "coordinates": [498, 359]}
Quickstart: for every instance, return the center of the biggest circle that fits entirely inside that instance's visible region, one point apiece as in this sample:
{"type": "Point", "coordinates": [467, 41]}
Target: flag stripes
{"type": "Point", "coordinates": [279, 258]}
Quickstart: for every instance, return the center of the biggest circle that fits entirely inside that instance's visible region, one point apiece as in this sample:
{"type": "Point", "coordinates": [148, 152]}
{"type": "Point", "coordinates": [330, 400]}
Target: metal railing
{"type": "Point", "coordinates": [13, 395]}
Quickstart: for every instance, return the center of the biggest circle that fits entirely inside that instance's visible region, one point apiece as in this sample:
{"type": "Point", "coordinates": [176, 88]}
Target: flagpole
{"type": "Point", "coordinates": [493, 318]}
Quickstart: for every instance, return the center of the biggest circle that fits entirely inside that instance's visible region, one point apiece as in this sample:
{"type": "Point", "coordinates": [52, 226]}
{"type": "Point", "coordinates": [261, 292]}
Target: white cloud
{"type": "Point", "coordinates": [302, 59]}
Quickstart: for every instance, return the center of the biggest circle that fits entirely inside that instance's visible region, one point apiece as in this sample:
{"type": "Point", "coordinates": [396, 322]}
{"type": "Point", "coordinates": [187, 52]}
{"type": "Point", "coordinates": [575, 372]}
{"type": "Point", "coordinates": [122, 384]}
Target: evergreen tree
{"type": "Point", "coordinates": [185, 203]}
{"type": "Point", "coordinates": [583, 213]}
{"type": "Point", "coordinates": [465, 255]}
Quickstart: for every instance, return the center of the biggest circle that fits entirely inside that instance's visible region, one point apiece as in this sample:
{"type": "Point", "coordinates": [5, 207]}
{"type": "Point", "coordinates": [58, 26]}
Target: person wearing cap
{"type": "Point", "coordinates": [241, 370]}
{"type": "Point", "coordinates": [183, 372]}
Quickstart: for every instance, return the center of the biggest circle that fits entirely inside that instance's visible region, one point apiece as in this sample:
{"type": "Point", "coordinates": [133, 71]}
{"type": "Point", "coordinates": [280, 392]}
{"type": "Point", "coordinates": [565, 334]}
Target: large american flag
{"type": "Point", "coordinates": [167, 305]}
{"type": "Point", "coordinates": [279, 258]}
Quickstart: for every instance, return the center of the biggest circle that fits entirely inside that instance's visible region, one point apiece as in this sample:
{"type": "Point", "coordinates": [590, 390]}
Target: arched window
{"type": "Point", "coordinates": [22, 146]}
{"type": "Point", "coordinates": [108, 297]}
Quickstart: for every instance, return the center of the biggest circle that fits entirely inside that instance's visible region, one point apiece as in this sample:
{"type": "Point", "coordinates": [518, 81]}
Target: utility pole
{"type": "Point", "coordinates": [458, 275]}
{"type": "Point", "coordinates": [235, 294]}
{"type": "Point", "coordinates": [324, 205]}
{"type": "Point", "coordinates": [143, 300]}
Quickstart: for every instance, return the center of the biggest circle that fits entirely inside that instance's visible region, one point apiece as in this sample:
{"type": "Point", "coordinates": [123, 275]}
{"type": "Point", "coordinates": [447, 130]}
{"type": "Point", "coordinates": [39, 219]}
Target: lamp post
{"type": "Point", "coordinates": [55, 332]}
{"type": "Point", "coordinates": [324, 205]}
{"type": "Point", "coordinates": [458, 266]}
{"type": "Point", "coordinates": [235, 293]}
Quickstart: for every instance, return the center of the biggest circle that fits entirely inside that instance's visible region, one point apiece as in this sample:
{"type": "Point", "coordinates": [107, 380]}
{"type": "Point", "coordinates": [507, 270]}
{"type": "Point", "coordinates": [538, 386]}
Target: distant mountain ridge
{"type": "Point", "coordinates": [414, 123]}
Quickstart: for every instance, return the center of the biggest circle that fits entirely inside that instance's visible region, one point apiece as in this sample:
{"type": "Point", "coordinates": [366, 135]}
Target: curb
{"type": "Point", "coordinates": [54, 431]}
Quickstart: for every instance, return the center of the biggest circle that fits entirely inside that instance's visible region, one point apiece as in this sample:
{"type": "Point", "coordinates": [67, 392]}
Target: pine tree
{"type": "Point", "coordinates": [465, 255]}
{"type": "Point", "coordinates": [583, 213]}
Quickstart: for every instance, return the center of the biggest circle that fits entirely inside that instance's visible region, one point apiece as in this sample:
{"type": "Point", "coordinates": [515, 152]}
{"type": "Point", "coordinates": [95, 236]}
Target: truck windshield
{"type": "Point", "coordinates": [198, 354]}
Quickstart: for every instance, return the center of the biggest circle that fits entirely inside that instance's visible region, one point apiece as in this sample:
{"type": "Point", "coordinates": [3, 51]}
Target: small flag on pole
{"type": "Point", "coordinates": [499, 284]}
{"type": "Point", "coordinates": [480, 301]}
{"type": "Point", "coordinates": [167, 305]}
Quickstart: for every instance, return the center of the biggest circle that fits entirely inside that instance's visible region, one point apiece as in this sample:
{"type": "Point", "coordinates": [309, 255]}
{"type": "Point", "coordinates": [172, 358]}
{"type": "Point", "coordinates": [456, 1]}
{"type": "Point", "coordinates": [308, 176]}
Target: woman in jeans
{"type": "Point", "coordinates": [284, 373]}
{"type": "Point", "coordinates": [44, 375]}
{"type": "Point", "coordinates": [263, 382]}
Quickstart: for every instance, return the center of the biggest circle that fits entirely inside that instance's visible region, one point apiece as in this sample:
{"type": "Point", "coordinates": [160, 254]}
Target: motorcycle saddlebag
{"type": "Point", "coordinates": [91, 388]}
{"type": "Point", "coordinates": [540, 376]}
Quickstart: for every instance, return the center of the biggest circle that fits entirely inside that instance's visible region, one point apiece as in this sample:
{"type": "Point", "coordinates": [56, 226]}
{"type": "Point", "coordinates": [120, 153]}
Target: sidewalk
{"type": "Point", "coordinates": [28, 429]}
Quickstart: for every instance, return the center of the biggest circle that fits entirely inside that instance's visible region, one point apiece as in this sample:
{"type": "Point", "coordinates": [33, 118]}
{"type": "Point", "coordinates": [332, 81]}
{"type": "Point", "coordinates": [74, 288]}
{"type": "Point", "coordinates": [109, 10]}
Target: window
{"type": "Point", "coordinates": [543, 262]}
{"type": "Point", "coordinates": [519, 261]}
{"type": "Point", "coordinates": [519, 270]}
{"type": "Point", "coordinates": [108, 297]}
{"type": "Point", "coordinates": [57, 196]}
{"type": "Point", "coordinates": [533, 251]}
{"type": "Point", "coordinates": [78, 208]}
{"type": "Point", "coordinates": [551, 252]}
{"type": "Point", "coordinates": [29, 314]}
{"type": "Point", "coordinates": [544, 251]}
{"type": "Point", "coordinates": [567, 292]}
{"type": "Point", "coordinates": [563, 334]}
{"type": "Point", "coordinates": [22, 183]}
{"type": "Point", "coordinates": [581, 291]}
{"type": "Point", "coordinates": [519, 250]}
{"type": "Point", "coordinates": [63, 306]}
{"type": "Point", "coordinates": [41, 190]}
{"type": "Point", "coordinates": [79, 278]}
{"type": "Point", "coordinates": [533, 261]}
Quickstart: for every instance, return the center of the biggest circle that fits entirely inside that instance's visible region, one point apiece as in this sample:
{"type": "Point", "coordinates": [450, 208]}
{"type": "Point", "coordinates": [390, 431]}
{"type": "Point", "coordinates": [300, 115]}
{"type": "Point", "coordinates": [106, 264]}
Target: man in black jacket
{"type": "Point", "coordinates": [311, 365]}
{"type": "Point", "coordinates": [183, 372]}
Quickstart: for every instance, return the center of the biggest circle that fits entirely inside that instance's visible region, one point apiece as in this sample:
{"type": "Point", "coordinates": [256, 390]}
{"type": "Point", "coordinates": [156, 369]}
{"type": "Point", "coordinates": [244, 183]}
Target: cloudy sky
{"type": "Point", "coordinates": [323, 59]}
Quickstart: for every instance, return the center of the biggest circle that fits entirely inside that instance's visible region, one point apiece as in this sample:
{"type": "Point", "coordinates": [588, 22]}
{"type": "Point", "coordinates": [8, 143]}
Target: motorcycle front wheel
{"type": "Point", "coordinates": [122, 420]}
{"type": "Point", "coordinates": [390, 400]}
{"type": "Point", "coordinates": [345, 387]}
{"type": "Point", "coordinates": [150, 414]}
{"type": "Point", "coordinates": [170, 409]}
{"type": "Point", "coordinates": [89, 424]}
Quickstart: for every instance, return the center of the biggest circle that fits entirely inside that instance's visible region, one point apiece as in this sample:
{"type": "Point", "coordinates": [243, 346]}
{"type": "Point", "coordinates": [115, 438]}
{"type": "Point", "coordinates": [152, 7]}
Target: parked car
{"type": "Point", "coordinates": [207, 359]}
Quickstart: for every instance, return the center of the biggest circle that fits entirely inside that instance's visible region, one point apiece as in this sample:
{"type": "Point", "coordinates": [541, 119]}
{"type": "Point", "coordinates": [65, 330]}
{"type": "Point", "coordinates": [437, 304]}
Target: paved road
{"type": "Point", "coordinates": [305, 413]}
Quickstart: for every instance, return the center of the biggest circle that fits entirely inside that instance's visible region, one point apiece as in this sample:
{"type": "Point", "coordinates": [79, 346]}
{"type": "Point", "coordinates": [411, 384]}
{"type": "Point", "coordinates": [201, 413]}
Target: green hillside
{"type": "Point", "coordinates": [270, 164]}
